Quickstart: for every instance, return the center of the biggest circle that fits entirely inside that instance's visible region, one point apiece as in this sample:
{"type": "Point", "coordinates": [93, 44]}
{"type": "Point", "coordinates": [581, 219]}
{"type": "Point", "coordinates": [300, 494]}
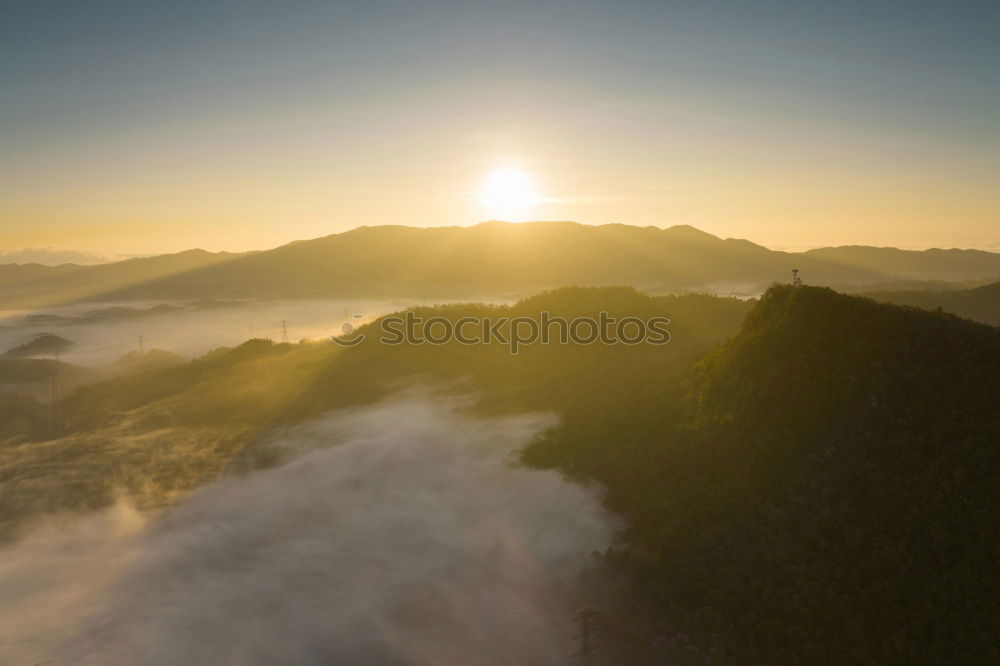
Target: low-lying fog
{"type": "Point", "coordinates": [398, 534]}
{"type": "Point", "coordinates": [104, 332]}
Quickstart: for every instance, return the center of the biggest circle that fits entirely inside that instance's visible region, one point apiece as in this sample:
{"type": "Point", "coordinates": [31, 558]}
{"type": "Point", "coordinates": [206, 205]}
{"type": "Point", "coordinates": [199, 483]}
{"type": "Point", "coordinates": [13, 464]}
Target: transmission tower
{"type": "Point", "coordinates": [587, 619]}
{"type": "Point", "coordinates": [142, 348]}
{"type": "Point", "coordinates": [284, 330]}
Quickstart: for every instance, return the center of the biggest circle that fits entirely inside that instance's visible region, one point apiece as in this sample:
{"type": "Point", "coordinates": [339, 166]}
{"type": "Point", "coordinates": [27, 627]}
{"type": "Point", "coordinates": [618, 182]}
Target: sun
{"type": "Point", "coordinates": [509, 194]}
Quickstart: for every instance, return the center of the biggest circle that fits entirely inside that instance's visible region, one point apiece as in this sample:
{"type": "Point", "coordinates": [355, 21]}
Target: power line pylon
{"type": "Point", "coordinates": [587, 619]}
{"type": "Point", "coordinates": [284, 330]}
{"type": "Point", "coordinates": [142, 348]}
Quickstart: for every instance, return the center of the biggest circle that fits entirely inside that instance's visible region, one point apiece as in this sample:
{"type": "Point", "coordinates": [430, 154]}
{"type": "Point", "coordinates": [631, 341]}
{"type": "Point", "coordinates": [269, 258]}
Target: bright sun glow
{"type": "Point", "coordinates": [509, 194]}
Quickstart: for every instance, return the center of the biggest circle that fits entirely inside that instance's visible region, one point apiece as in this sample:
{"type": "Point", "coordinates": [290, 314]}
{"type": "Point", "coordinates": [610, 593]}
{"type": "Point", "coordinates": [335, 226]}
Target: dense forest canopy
{"type": "Point", "coordinates": [980, 303]}
{"type": "Point", "coordinates": [809, 478]}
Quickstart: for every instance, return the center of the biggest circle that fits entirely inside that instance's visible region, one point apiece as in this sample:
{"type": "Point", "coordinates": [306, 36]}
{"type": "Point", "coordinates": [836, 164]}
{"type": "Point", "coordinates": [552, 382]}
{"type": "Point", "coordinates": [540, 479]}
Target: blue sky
{"type": "Point", "coordinates": [247, 124]}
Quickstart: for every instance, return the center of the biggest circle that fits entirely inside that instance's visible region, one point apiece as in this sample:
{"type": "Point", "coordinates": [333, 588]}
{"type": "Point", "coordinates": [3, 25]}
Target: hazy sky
{"type": "Point", "coordinates": [148, 127]}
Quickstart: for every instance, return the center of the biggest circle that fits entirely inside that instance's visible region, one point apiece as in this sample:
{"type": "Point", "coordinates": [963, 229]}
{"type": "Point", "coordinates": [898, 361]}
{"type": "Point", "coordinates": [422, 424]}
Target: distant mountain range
{"type": "Point", "coordinates": [488, 258]}
{"type": "Point", "coordinates": [980, 303]}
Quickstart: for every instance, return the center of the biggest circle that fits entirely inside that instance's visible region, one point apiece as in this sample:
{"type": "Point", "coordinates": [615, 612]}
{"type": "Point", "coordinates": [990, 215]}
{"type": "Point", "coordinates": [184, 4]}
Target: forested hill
{"type": "Point", "coordinates": [830, 495]}
{"type": "Point", "coordinates": [820, 489]}
{"type": "Point", "coordinates": [978, 303]}
{"type": "Point", "coordinates": [151, 434]}
{"type": "Point", "coordinates": [810, 353]}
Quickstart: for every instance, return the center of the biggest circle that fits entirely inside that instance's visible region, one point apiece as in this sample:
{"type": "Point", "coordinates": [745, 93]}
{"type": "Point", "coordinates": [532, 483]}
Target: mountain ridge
{"type": "Point", "coordinates": [490, 257]}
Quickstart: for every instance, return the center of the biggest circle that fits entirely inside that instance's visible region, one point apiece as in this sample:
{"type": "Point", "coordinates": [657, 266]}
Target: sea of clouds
{"type": "Point", "coordinates": [401, 533]}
